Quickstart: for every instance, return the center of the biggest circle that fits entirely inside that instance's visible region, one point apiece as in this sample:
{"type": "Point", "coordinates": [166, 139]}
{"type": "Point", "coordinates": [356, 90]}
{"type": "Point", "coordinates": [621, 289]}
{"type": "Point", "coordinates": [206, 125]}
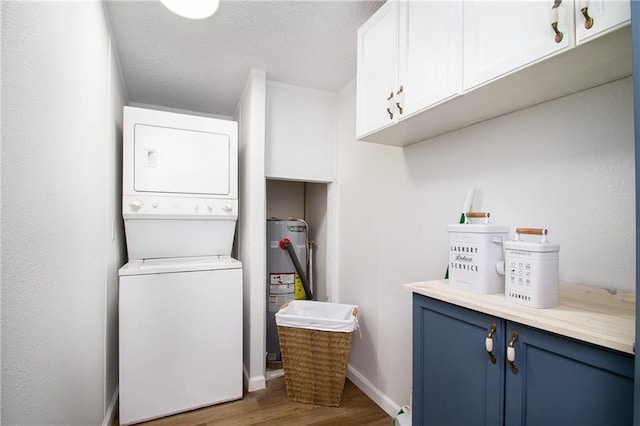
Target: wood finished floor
{"type": "Point", "coordinates": [270, 406]}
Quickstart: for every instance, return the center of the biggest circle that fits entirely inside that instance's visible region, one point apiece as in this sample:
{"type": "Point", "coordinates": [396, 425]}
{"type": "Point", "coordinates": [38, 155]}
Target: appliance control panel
{"type": "Point", "coordinates": [157, 207]}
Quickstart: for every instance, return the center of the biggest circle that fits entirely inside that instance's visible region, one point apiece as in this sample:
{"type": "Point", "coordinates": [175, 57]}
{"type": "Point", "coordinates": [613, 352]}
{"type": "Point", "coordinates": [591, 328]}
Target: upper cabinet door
{"type": "Point", "coordinates": [430, 54]}
{"type": "Point", "coordinates": [501, 37]}
{"type": "Point", "coordinates": [597, 17]}
{"type": "Point", "coordinates": [300, 134]}
{"type": "Point", "coordinates": [377, 70]}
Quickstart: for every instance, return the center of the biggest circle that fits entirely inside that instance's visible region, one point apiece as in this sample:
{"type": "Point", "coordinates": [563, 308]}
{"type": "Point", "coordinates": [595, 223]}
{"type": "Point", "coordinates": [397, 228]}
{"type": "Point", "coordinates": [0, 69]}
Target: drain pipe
{"type": "Point", "coordinates": [285, 244]}
{"type": "Point", "coordinates": [310, 245]}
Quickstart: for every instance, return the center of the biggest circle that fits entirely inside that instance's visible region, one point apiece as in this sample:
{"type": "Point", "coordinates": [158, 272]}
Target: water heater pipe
{"type": "Point", "coordinates": [310, 245]}
{"type": "Point", "coordinates": [285, 244]}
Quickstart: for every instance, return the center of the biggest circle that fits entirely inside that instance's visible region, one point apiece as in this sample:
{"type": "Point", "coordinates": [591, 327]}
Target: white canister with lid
{"type": "Point", "coordinates": [531, 270]}
{"type": "Point", "coordinates": [475, 249]}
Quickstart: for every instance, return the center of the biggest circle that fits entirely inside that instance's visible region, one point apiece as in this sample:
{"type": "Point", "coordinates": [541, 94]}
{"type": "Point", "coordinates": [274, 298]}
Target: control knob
{"type": "Point", "coordinates": [135, 205]}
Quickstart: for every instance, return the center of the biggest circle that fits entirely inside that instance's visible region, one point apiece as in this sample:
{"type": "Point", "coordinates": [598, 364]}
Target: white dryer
{"type": "Point", "coordinates": [179, 185]}
{"type": "Point", "coordinates": [180, 295]}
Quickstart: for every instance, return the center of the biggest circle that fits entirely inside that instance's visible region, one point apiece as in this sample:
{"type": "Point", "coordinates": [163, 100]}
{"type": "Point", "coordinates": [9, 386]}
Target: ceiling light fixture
{"type": "Point", "coordinates": [192, 9]}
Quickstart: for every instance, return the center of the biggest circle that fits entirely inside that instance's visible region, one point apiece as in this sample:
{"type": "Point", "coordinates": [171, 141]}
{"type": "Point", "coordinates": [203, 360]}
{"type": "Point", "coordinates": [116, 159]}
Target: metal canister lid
{"type": "Point", "coordinates": [479, 228]}
{"type": "Point", "coordinates": [541, 246]}
{"type": "Point", "coordinates": [534, 246]}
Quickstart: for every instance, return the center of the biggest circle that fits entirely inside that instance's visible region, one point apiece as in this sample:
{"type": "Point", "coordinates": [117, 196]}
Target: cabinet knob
{"type": "Point", "coordinates": [555, 19]}
{"type": "Point", "coordinates": [511, 353]}
{"type": "Point", "coordinates": [488, 343]}
{"type": "Point", "coordinates": [389, 105]}
{"type": "Point", "coordinates": [399, 98]}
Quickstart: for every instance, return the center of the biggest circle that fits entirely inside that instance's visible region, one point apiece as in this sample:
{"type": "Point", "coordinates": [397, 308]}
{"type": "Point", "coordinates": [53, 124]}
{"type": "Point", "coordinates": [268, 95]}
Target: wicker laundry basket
{"type": "Point", "coordinates": [315, 361]}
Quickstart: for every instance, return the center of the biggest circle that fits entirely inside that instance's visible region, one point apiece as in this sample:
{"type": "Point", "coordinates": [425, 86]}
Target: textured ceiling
{"type": "Point", "coordinates": [203, 65]}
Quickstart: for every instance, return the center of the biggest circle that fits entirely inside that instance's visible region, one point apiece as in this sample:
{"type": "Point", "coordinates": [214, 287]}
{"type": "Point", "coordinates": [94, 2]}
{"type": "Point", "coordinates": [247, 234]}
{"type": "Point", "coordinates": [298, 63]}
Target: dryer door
{"type": "Point", "coordinates": [170, 160]}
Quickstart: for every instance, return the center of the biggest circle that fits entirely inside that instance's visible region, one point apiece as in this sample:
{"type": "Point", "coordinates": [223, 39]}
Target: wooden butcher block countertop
{"type": "Point", "coordinates": [596, 315]}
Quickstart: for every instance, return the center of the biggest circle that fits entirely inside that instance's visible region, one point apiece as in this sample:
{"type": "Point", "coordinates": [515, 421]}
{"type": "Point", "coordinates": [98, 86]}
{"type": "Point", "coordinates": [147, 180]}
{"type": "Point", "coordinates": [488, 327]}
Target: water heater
{"type": "Point", "coordinates": [281, 273]}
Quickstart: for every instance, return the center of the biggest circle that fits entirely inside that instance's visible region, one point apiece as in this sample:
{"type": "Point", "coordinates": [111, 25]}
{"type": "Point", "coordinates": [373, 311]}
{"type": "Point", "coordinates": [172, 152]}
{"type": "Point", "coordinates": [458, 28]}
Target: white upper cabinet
{"type": "Point", "coordinates": [426, 68]}
{"type": "Point", "coordinates": [301, 126]}
{"type": "Point", "coordinates": [409, 58]}
{"type": "Point", "coordinates": [501, 36]}
{"type": "Point", "coordinates": [430, 56]}
{"type": "Point", "coordinates": [597, 17]}
{"type": "Point", "coordinates": [377, 70]}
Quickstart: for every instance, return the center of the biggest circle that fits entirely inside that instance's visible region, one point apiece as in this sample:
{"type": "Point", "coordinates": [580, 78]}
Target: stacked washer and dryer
{"type": "Point", "coordinates": [180, 294]}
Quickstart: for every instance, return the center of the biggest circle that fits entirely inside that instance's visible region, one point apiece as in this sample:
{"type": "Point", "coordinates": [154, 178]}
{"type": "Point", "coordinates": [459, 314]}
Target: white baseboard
{"type": "Point", "coordinates": [253, 383]}
{"type": "Point", "coordinates": [111, 409]}
{"type": "Point", "coordinates": [383, 401]}
{"type": "Point", "coordinates": [274, 374]}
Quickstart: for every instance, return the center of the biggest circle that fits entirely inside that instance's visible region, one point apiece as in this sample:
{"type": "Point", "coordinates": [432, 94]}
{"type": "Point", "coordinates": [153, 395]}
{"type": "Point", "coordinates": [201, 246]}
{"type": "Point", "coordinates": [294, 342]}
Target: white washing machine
{"type": "Point", "coordinates": [180, 335]}
{"type": "Point", "coordinates": [180, 294]}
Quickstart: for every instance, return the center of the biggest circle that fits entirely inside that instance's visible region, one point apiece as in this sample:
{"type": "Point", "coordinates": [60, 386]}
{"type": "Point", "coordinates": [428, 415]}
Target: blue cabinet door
{"type": "Point", "coordinates": [561, 381]}
{"type": "Point", "coordinates": [455, 381]}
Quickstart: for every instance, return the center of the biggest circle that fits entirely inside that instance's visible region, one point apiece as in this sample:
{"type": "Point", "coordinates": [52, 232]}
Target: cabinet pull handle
{"type": "Point", "coordinates": [555, 19]}
{"type": "Point", "coordinates": [511, 353]}
{"type": "Point", "coordinates": [389, 106]}
{"type": "Point", "coordinates": [588, 20]}
{"type": "Point", "coordinates": [399, 94]}
{"type": "Point", "coordinates": [488, 343]}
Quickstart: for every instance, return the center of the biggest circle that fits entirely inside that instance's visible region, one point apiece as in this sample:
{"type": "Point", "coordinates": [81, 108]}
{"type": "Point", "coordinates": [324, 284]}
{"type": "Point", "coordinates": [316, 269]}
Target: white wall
{"type": "Point", "coordinates": [251, 232]}
{"type": "Point", "coordinates": [62, 237]}
{"type": "Point", "coordinates": [179, 110]}
{"type": "Point", "coordinates": [318, 216]}
{"type": "Point", "coordinates": [567, 165]}
{"type": "Point", "coordinates": [285, 199]}
{"type": "Point", "coordinates": [115, 240]}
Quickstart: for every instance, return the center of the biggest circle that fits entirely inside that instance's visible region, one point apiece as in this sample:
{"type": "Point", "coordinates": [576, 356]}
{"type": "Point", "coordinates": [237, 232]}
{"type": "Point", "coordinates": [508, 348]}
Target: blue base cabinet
{"type": "Point", "coordinates": [459, 379]}
{"type": "Point", "coordinates": [454, 379]}
{"type": "Point", "coordinates": [562, 381]}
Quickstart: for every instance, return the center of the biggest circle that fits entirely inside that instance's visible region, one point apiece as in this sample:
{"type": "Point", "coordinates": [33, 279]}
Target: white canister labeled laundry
{"type": "Point", "coordinates": [531, 269]}
{"type": "Point", "coordinates": [474, 251]}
